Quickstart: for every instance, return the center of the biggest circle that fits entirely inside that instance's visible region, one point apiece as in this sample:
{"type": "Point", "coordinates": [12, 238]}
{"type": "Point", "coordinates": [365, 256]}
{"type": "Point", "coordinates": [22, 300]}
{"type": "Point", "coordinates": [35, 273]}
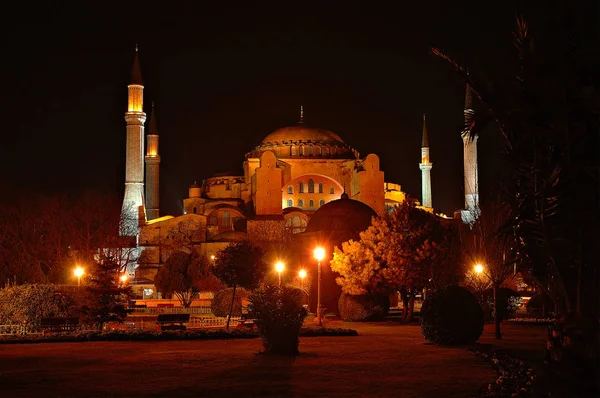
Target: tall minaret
{"type": "Point", "coordinates": [425, 167]}
{"type": "Point", "coordinates": [133, 201]}
{"type": "Point", "coordinates": [472, 211]}
{"type": "Point", "coordinates": [152, 169]}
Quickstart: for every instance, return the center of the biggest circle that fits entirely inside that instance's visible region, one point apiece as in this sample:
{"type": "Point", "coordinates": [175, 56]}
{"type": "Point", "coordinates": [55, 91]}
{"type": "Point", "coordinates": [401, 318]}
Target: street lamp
{"type": "Point", "coordinates": [123, 278]}
{"type": "Point", "coordinates": [78, 273]}
{"type": "Point", "coordinates": [478, 268]}
{"type": "Point", "coordinates": [279, 266]}
{"type": "Point", "coordinates": [319, 255]}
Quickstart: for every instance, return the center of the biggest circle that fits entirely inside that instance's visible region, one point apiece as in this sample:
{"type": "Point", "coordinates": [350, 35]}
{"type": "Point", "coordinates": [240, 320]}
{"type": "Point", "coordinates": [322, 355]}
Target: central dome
{"type": "Point", "coordinates": [302, 134]}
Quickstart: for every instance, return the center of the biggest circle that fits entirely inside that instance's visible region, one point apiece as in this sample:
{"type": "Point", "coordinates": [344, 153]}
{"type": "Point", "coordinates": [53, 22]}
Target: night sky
{"type": "Point", "coordinates": [223, 78]}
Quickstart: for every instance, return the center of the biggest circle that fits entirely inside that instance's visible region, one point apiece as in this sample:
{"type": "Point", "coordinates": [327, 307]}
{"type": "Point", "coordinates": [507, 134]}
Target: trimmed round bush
{"type": "Point", "coordinates": [221, 302]}
{"type": "Point", "coordinates": [537, 303]}
{"type": "Point", "coordinates": [363, 307]}
{"type": "Point", "coordinates": [451, 316]}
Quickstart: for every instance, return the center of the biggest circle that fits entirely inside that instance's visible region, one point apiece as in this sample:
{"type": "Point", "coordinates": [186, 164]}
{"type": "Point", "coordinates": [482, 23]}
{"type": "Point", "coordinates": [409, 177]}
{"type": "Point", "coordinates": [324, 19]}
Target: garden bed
{"type": "Point", "coordinates": [147, 335]}
{"type": "Point", "coordinates": [532, 321]}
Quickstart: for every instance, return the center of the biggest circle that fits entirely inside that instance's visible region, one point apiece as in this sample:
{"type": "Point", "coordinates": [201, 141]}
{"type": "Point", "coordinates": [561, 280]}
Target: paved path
{"type": "Point", "coordinates": [386, 360]}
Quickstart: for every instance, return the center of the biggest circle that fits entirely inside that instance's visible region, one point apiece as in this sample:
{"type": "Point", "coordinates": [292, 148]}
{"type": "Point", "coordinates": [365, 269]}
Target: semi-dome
{"type": "Point", "coordinates": [342, 215]}
{"type": "Point", "coordinates": [302, 133]}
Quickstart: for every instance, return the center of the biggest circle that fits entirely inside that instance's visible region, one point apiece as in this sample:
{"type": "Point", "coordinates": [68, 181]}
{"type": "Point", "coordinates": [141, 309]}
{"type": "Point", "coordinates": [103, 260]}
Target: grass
{"type": "Point", "coordinates": [385, 360]}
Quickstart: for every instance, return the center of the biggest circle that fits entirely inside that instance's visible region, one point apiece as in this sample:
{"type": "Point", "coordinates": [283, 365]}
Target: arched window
{"type": "Point", "coordinates": [302, 150]}
{"type": "Point", "coordinates": [301, 187]}
{"type": "Point", "coordinates": [326, 150]}
{"type": "Point", "coordinates": [318, 150]}
{"type": "Point", "coordinates": [213, 220]}
{"type": "Point", "coordinates": [320, 187]}
{"type": "Point", "coordinates": [311, 204]}
{"type": "Point", "coordinates": [300, 203]}
{"type": "Point", "coordinates": [290, 190]}
{"type": "Point", "coordinates": [333, 151]}
{"type": "Point", "coordinates": [290, 203]}
{"type": "Point", "coordinates": [226, 219]}
{"type": "Point", "coordinates": [321, 202]}
{"type": "Point", "coordinates": [294, 150]}
{"type": "Point", "coordinates": [331, 190]}
{"type": "Point", "coordinates": [310, 150]}
{"type": "Point", "coordinates": [194, 209]}
{"type": "Point", "coordinates": [311, 186]}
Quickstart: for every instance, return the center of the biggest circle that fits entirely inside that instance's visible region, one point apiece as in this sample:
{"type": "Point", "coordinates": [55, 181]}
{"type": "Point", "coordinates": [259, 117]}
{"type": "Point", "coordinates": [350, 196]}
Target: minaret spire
{"type": "Point", "coordinates": [133, 201]}
{"type": "Point", "coordinates": [471, 173]}
{"type": "Point", "coordinates": [301, 121]}
{"type": "Point", "coordinates": [152, 169]}
{"type": "Point", "coordinates": [425, 167]}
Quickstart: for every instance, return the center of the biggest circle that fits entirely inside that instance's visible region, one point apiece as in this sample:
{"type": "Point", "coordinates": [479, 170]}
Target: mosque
{"type": "Point", "coordinates": [288, 177]}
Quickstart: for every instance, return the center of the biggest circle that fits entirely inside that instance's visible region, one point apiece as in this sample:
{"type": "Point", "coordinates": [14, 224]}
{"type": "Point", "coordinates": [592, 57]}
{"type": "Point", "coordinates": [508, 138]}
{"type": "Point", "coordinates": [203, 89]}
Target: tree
{"type": "Point", "coordinates": [401, 251]}
{"type": "Point", "coordinates": [107, 294]}
{"type": "Point", "coordinates": [240, 264]}
{"type": "Point", "coordinates": [547, 114]}
{"type": "Point", "coordinates": [185, 275]}
{"type": "Point", "coordinates": [485, 245]}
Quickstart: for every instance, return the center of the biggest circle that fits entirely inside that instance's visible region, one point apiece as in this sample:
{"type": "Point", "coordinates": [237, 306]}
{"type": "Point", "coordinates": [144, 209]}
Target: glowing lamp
{"type": "Point", "coordinates": [302, 273]}
{"type": "Point", "coordinates": [279, 267]}
{"type": "Point", "coordinates": [78, 272]}
{"type": "Point", "coordinates": [319, 253]}
{"type": "Point", "coordinates": [478, 268]}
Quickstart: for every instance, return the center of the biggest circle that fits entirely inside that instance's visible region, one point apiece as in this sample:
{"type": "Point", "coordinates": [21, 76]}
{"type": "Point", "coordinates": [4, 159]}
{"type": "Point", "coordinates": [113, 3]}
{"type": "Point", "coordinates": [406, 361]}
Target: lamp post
{"type": "Point", "coordinates": [78, 273]}
{"type": "Point", "coordinates": [279, 266]}
{"type": "Point", "coordinates": [302, 274]}
{"type": "Point", "coordinates": [319, 255]}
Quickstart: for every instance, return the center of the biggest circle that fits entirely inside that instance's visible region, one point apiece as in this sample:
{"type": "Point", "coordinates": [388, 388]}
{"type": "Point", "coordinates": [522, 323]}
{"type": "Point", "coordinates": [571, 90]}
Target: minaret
{"type": "Point", "coordinates": [301, 121]}
{"type": "Point", "coordinates": [472, 211]}
{"type": "Point", "coordinates": [133, 201]}
{"type": "Point", "coordinates": [425, 167]}
{"type": "Point", "coordinates": [152, 169]}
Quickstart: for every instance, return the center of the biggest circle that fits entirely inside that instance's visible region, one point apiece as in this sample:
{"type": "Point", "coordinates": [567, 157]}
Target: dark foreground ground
{"type": "Point", "coordinates": [386, 360]}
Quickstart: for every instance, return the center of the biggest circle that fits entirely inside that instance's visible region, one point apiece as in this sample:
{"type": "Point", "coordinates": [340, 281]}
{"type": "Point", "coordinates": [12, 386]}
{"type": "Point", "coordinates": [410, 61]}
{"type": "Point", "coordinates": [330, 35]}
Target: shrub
{"type": "Point", "coordinates": [221, 302]}
{"type": "Point", "coordinates": [30, 303]}
{"type": "Point", "coordinates": [279, 317]}
{"type": "Point", "coordinates": [538, 303]}
{"type": "Point", "coordinates": [451, 316]}
{"type": "Point", "coordinates": [363, 307]}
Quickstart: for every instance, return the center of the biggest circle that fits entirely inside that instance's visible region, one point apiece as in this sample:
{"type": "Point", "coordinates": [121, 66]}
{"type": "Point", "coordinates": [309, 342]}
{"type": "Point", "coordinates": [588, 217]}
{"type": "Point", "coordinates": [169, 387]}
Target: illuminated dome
{"type": "Point", "coordinates": [304, 142]}
{"type": "Point", "coordinates": [302, 133]}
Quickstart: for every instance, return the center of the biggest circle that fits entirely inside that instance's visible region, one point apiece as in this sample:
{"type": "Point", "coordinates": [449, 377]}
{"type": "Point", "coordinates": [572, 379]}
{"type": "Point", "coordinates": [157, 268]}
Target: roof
{"type": "Point", "coordinates": [425, 141]}
{"type": "Point", "coordinates": [303, 134]}
{"type": "Point", "coordinates": [344, 214]}
{"type": "Point", "coordinates": [152, 129]}
{"type": "Point", "coordinates": [136, 71]}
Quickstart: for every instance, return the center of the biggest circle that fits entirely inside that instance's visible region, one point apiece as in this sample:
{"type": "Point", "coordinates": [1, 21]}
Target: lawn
{"type": "Point", "coordinates": [385, 360]}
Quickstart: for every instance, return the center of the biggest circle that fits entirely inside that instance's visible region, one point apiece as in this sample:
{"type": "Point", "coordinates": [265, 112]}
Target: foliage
{"type": "Point", "coordinates": [221, 302]}
{"type": "Point", "coordinates": [240, 264]}
{"type": "Point", "coordinates": [451, 316]}
{"type": "Point", "coordinates": [573, 356]}
{"type": "Point", "coordinates": [107, 293]}
{"type": "Point", "coordinates": [28, 304]}
{"type": "Point", "coordinates": [279, 317]}
{"type": "Point", "coordinates": [146, 335]}
{"type": "Point", "coordinates": [405, 251]}
{"type": "Point", "coordinates": [186, 275]}
{"type": "Point", "coordinates": [364, 307]}
{"type": "Point", "coordinates": [514, 378]}
{"type": "Point", "coordinates": [532, 321]}
{"type": "Point", "coordinates": [547, 114]}
{"type": "Point", "coordinates": [42, 238]}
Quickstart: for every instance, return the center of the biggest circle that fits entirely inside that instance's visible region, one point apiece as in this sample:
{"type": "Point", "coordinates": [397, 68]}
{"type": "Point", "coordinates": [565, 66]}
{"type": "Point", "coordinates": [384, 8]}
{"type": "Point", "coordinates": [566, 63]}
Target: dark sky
{"type": "Point", "coordinates": [222, 78]}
